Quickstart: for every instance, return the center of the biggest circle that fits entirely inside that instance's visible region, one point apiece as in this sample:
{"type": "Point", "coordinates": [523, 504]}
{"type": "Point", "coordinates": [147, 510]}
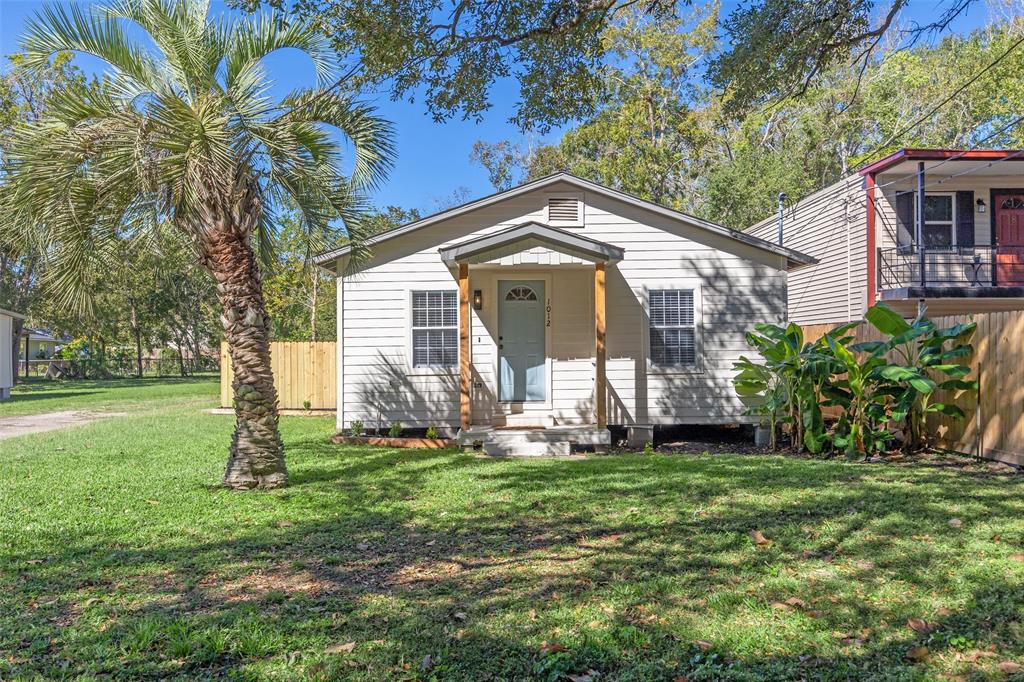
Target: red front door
{"type": "Point", "coordinates": [1009, 214]}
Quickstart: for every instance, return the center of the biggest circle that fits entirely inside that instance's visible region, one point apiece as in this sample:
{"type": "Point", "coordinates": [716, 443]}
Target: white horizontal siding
{"type": "Point", "coordinates": [739, 286]}
{"type": "Point", "coordinates": [831, 226]}
{"type": "Point", "coordinates": [6, 348]}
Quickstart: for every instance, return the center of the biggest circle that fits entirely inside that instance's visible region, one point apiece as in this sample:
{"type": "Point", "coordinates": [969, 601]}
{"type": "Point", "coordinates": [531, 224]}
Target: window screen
{"type": "Point", "coordinates": [435, 333]}
{"type": "Point", "coordinates": [673, 332]}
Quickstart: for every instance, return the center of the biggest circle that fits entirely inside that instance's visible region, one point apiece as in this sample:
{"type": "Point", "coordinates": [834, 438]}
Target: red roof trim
{"type": "Point", "coordinates": [939, 154]}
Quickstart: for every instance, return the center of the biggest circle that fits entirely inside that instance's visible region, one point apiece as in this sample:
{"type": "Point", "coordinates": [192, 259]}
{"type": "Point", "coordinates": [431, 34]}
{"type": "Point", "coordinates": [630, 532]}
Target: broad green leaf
{"type": "Point", "coordinates": [886, 320]}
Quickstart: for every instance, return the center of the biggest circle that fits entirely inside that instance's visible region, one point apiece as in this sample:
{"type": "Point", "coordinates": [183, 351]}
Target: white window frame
{"type": "Point", "coordinates": [580, 209]}
{"type": "Point", "coordinates": [925, 224]}
{"type": "Point", "coordinates": [698, 341]}
{"type": "Point", "coordinates": [412, 369]}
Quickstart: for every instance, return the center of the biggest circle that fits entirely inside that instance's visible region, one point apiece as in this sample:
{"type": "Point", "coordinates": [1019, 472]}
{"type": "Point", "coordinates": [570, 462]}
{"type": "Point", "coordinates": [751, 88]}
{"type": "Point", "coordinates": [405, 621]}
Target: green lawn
{"type": "Point", "coordinates": [120, 557]}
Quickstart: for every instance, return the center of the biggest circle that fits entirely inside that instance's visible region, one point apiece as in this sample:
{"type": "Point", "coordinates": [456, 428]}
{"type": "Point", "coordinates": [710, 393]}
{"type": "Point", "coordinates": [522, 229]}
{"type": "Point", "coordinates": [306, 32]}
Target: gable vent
{"type": "Point", "coordinates": [563, 210]}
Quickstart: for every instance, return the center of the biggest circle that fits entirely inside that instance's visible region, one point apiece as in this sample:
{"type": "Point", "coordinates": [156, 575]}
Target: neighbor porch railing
{"type": "Point", "coordinates": [960, 266]}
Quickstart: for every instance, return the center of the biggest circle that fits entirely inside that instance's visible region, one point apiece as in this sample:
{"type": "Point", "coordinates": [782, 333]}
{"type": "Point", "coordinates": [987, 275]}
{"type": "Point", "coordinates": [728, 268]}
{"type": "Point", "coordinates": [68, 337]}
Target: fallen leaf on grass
{"type": "Point", "coordinates": [460, 615]}
{"type": "Point", "coordinates": [920, 625]}
{"type": "Point", "coordinates": [919, 654]}
{"type": "Point", "coordinates": [955, 523]}
{"type": "Point", "coordinates": [1017, 557]}
{"type": "Point", "coordinates": [779, 606]}
{"type": "Point", "coordinates": [759, 538]}
{"type": "Point", "coordinates": [431, 543]}
{"type": "Point", "coordinates": [1010, 667]}
{"type": "Point", "coordinates": [345, 648]}
{"type": "Point", "coordinates": [427, 663]}
{"type": "Point", "coordinates": [284, 523]}
{"type": "Point", "coordinates": [942, 612]}
{"type": "Point", "coordinates": [974, 654]}
{"type": "Point", "coordinates": [704, 645]}
{"type": "Point", "coordinates": [152, 502]}
{"type": "Point", "coordinates": [547, 647]}
{"type": "Point", "coordinates": [796, 602]}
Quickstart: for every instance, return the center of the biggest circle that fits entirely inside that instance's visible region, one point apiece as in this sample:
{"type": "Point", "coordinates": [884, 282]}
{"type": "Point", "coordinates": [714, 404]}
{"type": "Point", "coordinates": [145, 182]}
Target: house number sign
{"type": "Point", "coordinates": [547, 311]}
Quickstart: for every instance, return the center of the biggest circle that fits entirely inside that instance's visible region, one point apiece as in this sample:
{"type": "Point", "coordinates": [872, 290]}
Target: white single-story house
{"type": "Point", "coordinates": [40, 344]}
{"type": "Point", "coordinates": [7, 351]}
{"type": "Point", "coordinates": [560, 305]}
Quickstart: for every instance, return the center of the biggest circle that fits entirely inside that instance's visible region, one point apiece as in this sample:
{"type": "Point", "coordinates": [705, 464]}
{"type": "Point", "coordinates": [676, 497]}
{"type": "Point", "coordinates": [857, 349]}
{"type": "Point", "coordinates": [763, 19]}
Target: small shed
{"type": "Point", "coordinates": [7, 340]}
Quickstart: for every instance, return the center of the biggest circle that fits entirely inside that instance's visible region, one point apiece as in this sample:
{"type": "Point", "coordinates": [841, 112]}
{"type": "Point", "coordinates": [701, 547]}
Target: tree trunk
{"type": "Point", "coordinates": [256, 459]}
{"type": "Point", "coordinates": [181, 356]}
{"type": "Point", "coordinates": [138, 340]}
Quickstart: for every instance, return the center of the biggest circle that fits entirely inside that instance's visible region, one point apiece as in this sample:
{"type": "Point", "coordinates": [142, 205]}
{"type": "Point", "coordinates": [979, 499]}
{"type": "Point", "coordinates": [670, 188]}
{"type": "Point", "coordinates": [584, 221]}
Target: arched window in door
{"type": "Point", "coordinates": [521, 293]}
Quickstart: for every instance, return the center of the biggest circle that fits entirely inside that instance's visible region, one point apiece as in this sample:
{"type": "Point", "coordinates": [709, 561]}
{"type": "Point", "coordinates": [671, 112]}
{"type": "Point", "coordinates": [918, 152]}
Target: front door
{"type": "Point", "coordinates": [1009, 215]}
{"type": "Point", "coordinates": [521, 361]}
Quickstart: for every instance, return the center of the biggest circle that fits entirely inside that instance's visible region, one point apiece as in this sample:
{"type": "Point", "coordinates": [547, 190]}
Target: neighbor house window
{"type": "Point", "coordinates": [938, 220]}
{"type": "Point", "coordinates": [673, 328]}
{"type": "Point", "coordinates": [435, 329]}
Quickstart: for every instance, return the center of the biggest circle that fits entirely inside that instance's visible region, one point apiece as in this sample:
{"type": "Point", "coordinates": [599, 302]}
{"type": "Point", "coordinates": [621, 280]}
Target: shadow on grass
{"type": "Point", "coordinates": [619, 563]}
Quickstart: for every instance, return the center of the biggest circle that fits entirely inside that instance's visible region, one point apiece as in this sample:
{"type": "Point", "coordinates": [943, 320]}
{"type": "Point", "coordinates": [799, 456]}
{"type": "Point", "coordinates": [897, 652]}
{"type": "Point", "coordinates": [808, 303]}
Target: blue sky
{"type": "Point", "coordinates": [433, 158]}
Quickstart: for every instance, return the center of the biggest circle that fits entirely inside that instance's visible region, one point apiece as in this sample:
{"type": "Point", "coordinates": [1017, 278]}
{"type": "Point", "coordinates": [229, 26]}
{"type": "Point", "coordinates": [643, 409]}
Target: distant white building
{"type": "Point", "coordinates": [40, 343]}
{"type": "Point", "coordinates": [7, 351]}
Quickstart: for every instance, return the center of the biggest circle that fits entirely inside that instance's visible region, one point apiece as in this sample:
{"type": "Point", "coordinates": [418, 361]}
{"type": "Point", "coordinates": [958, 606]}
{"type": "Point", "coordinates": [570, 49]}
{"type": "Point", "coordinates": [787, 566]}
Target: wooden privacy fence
{"type": "Point", "coordinates": [994, 423]}
{"type": "Point", "coordinates": [304, 373]}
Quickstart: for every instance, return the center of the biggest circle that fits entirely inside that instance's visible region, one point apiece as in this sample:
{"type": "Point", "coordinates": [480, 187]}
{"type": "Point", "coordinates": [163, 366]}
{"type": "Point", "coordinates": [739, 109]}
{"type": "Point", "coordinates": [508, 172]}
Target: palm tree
{"type": "Point", "coordinates": [187, 136]}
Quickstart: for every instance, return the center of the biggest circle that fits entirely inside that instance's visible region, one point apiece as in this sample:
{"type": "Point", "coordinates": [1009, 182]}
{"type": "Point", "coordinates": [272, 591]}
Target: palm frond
{"type": "Point", "coordinates": [255, 37]}
{"type": "Point", "coordinates": [56, 28]}
{"type": "Point", "coordinates": [371, 136]}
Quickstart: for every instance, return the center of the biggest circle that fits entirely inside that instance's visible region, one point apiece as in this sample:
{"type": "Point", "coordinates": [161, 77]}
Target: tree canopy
{"type": "Point", "coordinates": [665, 138]}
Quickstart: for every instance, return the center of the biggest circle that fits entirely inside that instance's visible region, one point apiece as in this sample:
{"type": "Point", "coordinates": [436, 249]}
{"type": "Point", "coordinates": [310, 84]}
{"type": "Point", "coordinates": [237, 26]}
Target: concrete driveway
{"type": "Point", "coordinates": [11, 427]}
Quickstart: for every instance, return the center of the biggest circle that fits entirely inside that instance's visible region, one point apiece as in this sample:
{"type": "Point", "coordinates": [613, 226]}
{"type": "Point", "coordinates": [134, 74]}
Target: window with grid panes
{"type": "Point", "coordinates": [435, 329]}
{"type": "Point", "coordinates": [673, 330]}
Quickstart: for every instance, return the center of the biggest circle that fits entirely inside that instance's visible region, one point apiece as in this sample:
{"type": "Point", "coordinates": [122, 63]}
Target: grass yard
{"type": "Point", "coordinates": [120, 557]}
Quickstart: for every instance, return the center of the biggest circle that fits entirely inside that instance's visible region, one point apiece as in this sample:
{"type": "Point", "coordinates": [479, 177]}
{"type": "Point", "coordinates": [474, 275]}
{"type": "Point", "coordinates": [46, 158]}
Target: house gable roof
{"type": "Point", "coordinates": [526, 235]}
{"type": "Point", "coordinates": [11, 313]}
{"type": "Point", "coordinates": [793, 258]}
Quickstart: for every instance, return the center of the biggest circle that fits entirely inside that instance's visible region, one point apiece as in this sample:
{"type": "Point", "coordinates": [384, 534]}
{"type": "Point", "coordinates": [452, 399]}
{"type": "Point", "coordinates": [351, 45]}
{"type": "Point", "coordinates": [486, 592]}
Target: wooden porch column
{"type": "Point", "coordinates": [601, 381]}
{"type": "Point", "coordinates": [465, 406]}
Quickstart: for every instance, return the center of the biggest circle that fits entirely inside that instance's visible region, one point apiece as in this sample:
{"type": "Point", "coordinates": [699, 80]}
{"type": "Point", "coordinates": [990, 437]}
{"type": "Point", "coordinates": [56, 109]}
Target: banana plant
{"type": "Point", "coordinates": [789, 383]}
{"type": "Point", "coordinates": [921, 358]}
{"type": "Point", "coordinates": [854, 387]}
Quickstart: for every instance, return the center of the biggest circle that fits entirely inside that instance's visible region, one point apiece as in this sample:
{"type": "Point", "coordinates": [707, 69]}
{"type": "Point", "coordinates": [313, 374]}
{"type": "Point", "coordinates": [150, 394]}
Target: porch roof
{"type": "Point", "coordinates": [976, 161]}
{"type": "Point", "coordinates": [528, 235]}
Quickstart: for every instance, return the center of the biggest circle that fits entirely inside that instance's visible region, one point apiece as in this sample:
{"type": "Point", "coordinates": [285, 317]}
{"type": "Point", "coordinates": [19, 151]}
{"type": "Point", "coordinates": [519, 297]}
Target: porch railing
{"type": "Point", "coordinates": [960, 266]}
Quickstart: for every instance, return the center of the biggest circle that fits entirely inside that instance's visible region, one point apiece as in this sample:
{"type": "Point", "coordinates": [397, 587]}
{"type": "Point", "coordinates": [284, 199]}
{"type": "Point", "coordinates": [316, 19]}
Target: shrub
{"type": "Point", "coordinates": [396, 430]}
{"type": "Point", "coordinates": [432, 433]}
{"type": "Point", "coordinates": [306, 405]}
{"type": "Point", "coordinates": [878, 385]}
{"type": "Point", "coordinates": [355, 428]}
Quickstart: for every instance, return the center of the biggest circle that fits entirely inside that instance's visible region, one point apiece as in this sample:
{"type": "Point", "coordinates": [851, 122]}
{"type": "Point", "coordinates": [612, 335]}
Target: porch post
{"type": "Point", "coordinates": [465, 406]}
{"type": "Point", "coordinates": [601, 381]}
{"type": "Point", "coordinates": [920, 219]}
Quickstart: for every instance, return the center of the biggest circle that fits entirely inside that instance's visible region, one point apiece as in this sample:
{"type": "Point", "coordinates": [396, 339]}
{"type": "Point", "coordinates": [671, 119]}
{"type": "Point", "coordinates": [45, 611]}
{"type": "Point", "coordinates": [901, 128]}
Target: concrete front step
{"type": "Point", "coordinates": [526, 448]}
{"type": "Point", "coordinates": [578, 435]}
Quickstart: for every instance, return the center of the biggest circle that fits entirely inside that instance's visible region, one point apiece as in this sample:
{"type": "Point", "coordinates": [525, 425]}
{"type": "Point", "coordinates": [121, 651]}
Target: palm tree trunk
{"type": "Point", "coordinates": [257, 453]}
